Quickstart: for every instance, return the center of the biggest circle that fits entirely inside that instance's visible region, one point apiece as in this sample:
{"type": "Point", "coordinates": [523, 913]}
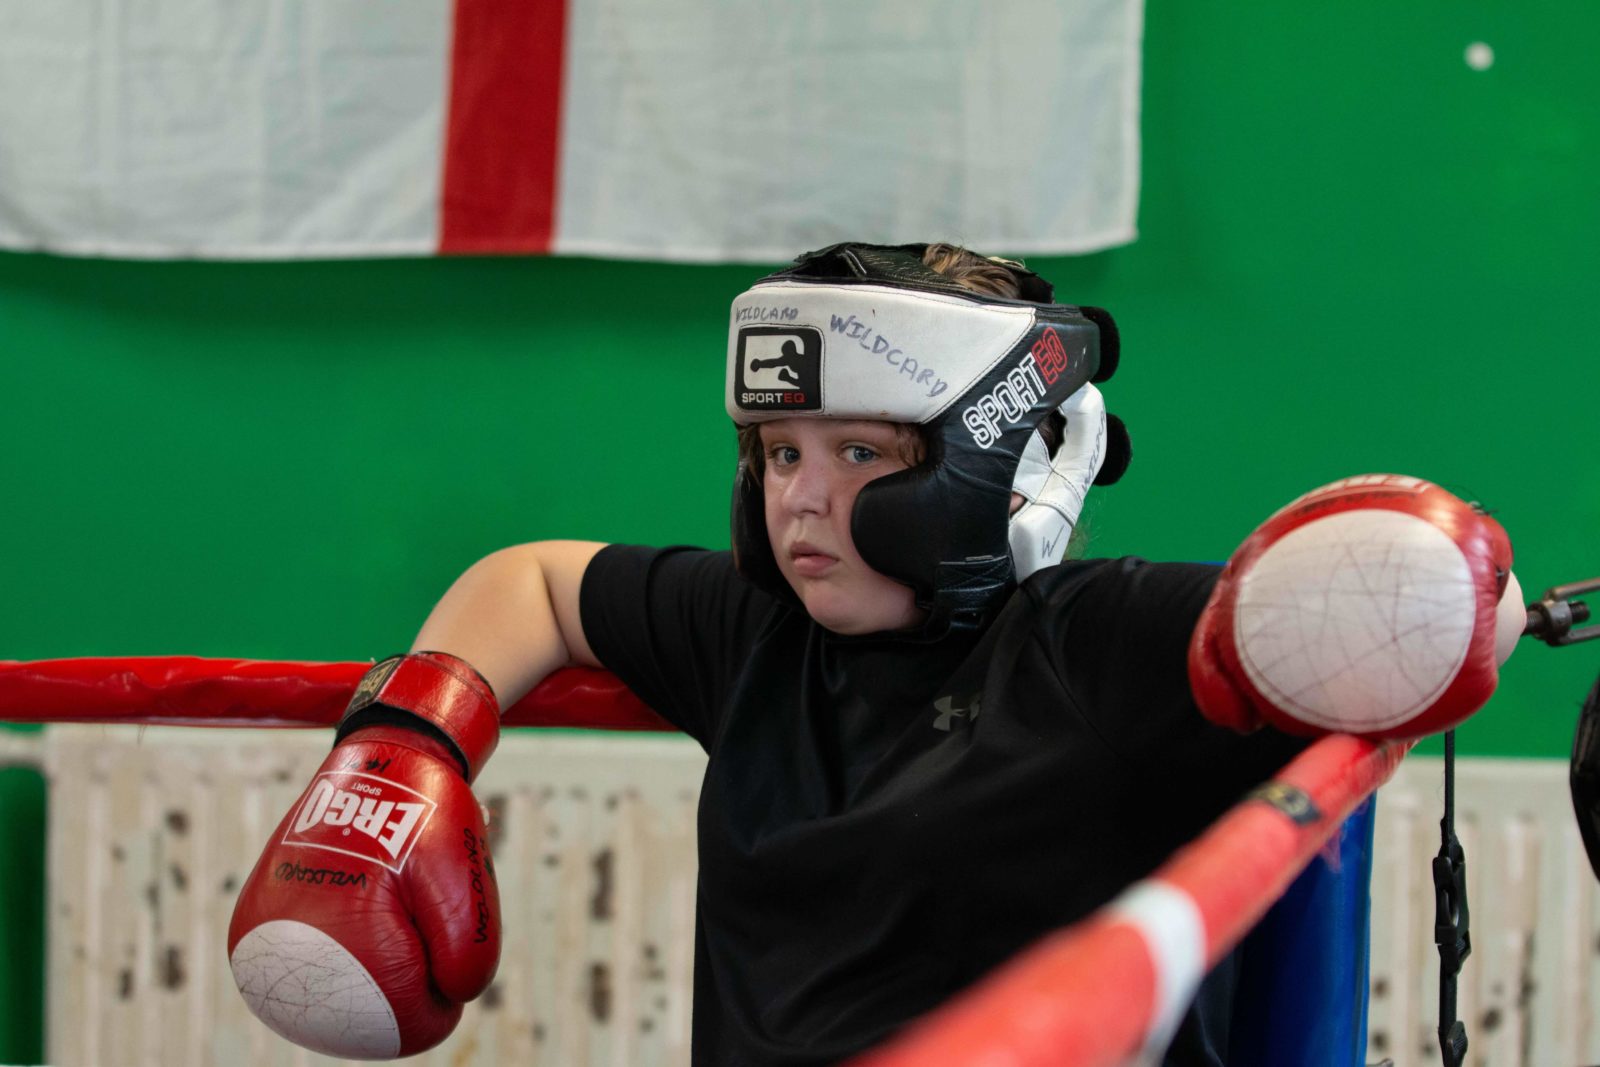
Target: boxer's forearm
{"type": "Point", "coordinates": [514, 615]}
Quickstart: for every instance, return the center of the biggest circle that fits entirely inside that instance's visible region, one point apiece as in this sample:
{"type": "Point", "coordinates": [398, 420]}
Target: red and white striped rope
{"type": "Point", "coordinates": [1112, 987]}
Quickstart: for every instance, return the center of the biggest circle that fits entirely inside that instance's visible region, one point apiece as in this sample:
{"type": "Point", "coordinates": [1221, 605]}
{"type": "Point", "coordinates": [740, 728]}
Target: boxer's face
{"type": "Point", "coordinates": [814, 469]}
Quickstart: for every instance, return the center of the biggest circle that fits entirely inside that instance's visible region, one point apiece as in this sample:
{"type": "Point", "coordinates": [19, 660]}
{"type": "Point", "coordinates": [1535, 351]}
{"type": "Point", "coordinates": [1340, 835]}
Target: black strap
{"type": "Point", "coordinates": [1450, 931]}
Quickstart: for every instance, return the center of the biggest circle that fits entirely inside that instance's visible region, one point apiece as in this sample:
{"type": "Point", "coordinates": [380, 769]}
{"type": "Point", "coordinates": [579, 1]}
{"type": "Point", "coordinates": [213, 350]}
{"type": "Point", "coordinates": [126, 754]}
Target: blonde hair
{"type": "Point", "coordinates": [966, 268]}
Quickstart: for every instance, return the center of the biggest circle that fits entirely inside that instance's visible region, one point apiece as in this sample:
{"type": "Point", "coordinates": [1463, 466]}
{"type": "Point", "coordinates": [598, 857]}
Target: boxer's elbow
{"type": "Point", "coordinates": [514, 615]}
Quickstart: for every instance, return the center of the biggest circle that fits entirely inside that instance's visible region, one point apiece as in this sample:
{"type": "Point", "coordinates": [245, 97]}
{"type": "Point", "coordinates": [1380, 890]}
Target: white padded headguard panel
{"type": "Point", "coordinates": [860, 351]}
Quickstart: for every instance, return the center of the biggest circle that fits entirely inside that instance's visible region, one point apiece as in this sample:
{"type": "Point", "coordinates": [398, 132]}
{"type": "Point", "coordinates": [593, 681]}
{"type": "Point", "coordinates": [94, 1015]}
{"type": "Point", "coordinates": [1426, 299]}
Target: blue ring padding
{"type": "Point", "coordinates": [1301, 1000]}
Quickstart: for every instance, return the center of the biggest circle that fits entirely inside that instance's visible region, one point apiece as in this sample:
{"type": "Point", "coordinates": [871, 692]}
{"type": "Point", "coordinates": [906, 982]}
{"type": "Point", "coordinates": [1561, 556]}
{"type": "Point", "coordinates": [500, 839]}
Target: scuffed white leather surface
{"type": "Point", "coordinates": [1358, 621]}
{"type": "Point", "coordinates": [309, 988]}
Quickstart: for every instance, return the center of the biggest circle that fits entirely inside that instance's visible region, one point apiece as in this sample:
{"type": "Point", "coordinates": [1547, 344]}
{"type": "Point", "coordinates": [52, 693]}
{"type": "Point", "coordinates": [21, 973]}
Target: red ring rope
{"type": "Point", "coordinates": [1088, 996]}
{"type": "Point", "coordinates": [1096, 993]}
{"type": "Point", "coordinates": [191, 691]}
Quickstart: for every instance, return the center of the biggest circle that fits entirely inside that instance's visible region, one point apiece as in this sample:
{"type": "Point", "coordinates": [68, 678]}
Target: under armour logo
{"type": "Point", "coordinates": [969, 707]}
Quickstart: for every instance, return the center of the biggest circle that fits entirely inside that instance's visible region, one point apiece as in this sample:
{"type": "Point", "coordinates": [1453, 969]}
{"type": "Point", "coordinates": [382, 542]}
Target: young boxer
{"type": "Point", "coordinates": [930, 740]}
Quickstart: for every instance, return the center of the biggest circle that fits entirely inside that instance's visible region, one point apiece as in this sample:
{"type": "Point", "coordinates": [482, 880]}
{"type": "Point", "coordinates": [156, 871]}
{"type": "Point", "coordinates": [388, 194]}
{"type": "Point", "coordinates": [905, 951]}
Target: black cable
{"type": "Point", "coordinates": [1450, 924]}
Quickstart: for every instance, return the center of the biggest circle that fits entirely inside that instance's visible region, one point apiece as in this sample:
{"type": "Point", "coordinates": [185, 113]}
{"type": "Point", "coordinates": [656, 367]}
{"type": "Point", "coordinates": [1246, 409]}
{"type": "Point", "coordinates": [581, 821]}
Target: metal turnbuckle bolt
{"type": "Point", "coordinates": [1557, 618]}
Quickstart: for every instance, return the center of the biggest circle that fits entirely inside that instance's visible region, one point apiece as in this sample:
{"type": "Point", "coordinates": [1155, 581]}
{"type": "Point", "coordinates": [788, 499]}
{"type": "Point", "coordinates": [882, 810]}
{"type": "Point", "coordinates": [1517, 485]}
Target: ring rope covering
{"type": "Point", "coordinates": [1086, 996]}
{"type": "Point", "coordinates": [196, 691]}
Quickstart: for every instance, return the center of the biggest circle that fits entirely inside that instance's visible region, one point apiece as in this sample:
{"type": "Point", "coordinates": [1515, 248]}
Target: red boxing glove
{"type": "Point", "coordinates": [373, 914]}
{"type": "Point", "coordinates": [1369, 606]}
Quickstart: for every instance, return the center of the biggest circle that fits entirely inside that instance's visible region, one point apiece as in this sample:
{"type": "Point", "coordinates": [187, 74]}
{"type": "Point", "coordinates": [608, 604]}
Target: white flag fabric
{"type": "Point", "coordinates": [700, 130]}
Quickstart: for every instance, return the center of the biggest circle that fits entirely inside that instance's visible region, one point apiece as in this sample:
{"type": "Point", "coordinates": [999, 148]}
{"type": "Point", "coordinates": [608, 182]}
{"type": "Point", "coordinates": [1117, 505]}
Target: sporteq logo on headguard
{"type": "Point", "coordinates": [869, 332]}
{"type": "Point", "coordinates": [1013, 396]}
{"type": "Point", "coordinates": [779, 368]}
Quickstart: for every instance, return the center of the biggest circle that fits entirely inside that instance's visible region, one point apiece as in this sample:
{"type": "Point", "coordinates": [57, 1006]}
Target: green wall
{"type": "Point", "coordinates": [1356, 254]}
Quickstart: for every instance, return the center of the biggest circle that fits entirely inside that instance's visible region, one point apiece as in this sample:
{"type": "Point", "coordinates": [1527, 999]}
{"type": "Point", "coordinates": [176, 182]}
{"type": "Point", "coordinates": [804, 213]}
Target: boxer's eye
{"type": "Point", "coordinates": [782, 455]}
{"type": "Point", "coordinates": [860, 453]}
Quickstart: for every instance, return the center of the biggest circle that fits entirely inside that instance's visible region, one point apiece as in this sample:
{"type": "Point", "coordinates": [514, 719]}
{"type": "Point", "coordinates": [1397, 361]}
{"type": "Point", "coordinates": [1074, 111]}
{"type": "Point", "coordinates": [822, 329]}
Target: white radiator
{"type": "Point", "coordinates": [151, 837]}
{"type": "Point", "coordinates": [151, 833]}
{"type": "Point", "coordinates": [1528, 993]}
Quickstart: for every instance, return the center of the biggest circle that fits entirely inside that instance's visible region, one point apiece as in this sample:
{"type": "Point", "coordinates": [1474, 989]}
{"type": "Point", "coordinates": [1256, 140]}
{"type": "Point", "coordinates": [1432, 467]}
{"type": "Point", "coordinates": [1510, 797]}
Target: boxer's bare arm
{"type": "Point", "coordinates": [514, 615]}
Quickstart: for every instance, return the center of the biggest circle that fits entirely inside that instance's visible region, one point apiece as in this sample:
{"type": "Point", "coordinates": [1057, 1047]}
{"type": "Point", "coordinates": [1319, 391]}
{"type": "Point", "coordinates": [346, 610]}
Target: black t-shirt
{"type": "Point", "coordinates": [884, 821]}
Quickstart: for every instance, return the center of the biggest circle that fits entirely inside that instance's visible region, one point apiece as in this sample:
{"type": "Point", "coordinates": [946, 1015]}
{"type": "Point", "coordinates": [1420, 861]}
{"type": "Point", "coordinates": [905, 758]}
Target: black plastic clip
{"type": "Point", "coordinates": [1450, 920]}
{"type": "Point", "coordinates": [1557, 618]}
{"type": "Point", "coordinates": [1454, 939]}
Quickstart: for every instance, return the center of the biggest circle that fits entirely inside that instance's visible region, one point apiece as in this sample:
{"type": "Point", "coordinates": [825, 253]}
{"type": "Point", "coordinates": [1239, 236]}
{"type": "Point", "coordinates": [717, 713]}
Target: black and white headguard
{"type": "Point", "coordinates": [870, 332]}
